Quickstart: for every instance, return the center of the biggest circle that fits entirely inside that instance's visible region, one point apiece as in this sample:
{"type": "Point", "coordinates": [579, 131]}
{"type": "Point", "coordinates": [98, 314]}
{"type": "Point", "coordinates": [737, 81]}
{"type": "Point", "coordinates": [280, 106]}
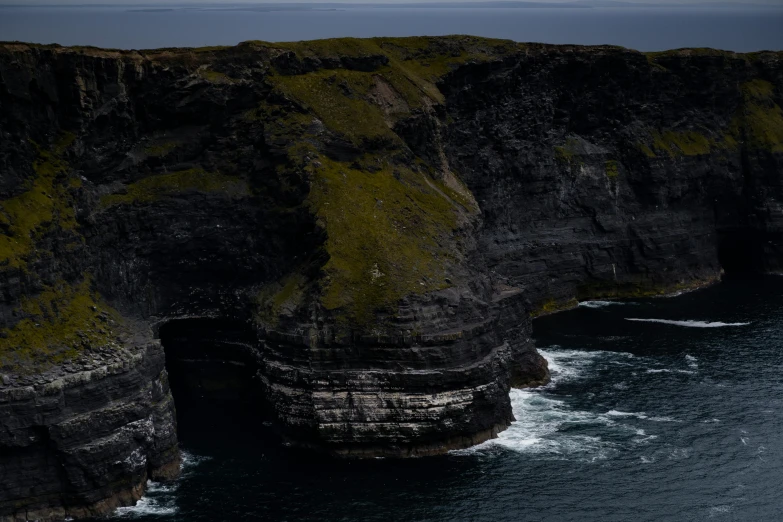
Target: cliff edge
{"type": "Point", "coordinates": [368, 224]}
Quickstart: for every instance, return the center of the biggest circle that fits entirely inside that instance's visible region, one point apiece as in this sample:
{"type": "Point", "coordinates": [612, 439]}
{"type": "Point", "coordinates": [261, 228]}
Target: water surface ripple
{"type": "Point", "coordinates": [644, 421]}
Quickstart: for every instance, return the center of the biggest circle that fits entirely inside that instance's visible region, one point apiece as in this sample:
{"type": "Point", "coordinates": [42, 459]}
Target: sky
{"type": "Point", "coordinates": [234, 2]}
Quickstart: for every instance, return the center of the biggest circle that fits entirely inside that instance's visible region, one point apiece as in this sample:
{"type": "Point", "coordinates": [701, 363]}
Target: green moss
{"type": "Point", "coordinates": [58, 323]}
{"type": "Point", "coordinates": [387, 232]}
{"type": "Point", "coordinates": [646, 150]}
{"type": "Point", "coordinates": [281, 296]}
{"type": "Point", "coordinates": [567, 152]}
{"type": "Point", "coordinates": [680, 143]}
{"type": "Point", "coordinates": [154, 187]}
{"type": "Point", "coordinates": [46, 204]}
{"type": "Point", "coordinates": [214, 76]}
{"type": "Point", "coordinates": [160, 149]}
{"type": "Point", "coordinates": [338, 98]}
{"type": "Point", "coordinates": [640, 289]}
{"type": "Point", "coordinates": [612, 169]}
{"type": "Point", "coordinates": [347, 101]}
{"type": "Point", "coordinates": [552, 306]}
{"type": "Point", "coordinates": [759, 122]}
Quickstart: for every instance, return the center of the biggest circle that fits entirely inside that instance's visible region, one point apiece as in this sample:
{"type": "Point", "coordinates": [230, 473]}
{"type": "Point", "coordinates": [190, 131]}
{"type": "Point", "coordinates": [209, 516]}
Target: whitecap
{"type": "Point", "coordinates": [601, 304]}
{"type": "Point", "coordinates": [719, 510]}
{"type": "Point", "coordinates": [688, 323]}
{"type": "Point", "coordinates": [152, 503]}
{"type": "Point", "coordinates": [566, 365]}
{"type": "Point", "coordinates": [647, 460]}
{"type": "Point", "coordinates": [667, 370]}
{"type": "Point", "coordinates": [691, 360]}
{"type": "Point", "coordinates": [189, 460]}
{"type": "Point", "coordinates": [545, 427]}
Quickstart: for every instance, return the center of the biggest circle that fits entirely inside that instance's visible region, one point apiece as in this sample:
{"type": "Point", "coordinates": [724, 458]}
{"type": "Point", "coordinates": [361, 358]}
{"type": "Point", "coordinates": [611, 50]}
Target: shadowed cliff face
{"type": "Point", "coordinates": [365, 225]}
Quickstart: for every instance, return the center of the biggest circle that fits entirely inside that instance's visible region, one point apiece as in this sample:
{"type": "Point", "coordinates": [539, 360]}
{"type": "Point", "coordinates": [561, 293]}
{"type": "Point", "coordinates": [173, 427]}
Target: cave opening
{"type": "Point", "coordinates": [212, 366]}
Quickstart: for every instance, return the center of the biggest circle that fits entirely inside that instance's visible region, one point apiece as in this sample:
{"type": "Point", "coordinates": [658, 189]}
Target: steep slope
{"type": "Point", "coordinates": [376, 220]}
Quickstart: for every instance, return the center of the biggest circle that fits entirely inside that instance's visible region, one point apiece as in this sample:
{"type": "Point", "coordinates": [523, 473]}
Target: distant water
{"type": "Point", "coordinates": [645, 29]}
{"type": "Point", "coordinates": [643, 421]}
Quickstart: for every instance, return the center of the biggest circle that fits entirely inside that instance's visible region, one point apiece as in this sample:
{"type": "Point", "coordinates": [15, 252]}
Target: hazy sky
{"type": "Point", "coordinates": [228, 2]}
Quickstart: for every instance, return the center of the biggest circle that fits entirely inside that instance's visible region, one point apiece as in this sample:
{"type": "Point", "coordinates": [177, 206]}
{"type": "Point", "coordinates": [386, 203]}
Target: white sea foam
{"type": "Point", "coordinates": [156, 501]}
{"type": "Point", "coordinates": [718, 511]}
{"type": "Point", "coordinates": [189, 460]}
{"type": "Point", "coordinates": [639, 415]}
{"type": "Point", "coordinates": [567, 365]}
{"type": "Point", "coordinates": [668, 370]}
{"type": "Point", "coordinates": [601, 304]}
{"type": "Point", "coordinates": [553, 429]}
{"type": "Point", "coordinates": [691, 360]}
{"type": "Point", "coordinates": [688, 323]}
{"type": "Point", "coordinates": [159, 499]}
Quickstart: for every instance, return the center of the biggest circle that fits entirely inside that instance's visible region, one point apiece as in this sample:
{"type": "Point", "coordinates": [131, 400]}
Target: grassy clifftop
{"type": "Point", "coordinates": [391, 221]}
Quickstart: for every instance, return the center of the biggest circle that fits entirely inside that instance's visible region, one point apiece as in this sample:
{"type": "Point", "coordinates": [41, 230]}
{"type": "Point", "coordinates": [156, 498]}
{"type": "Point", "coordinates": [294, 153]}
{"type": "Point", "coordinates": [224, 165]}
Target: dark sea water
{"type": "Point", "coordinates": [675, 418]}
{"type": "Point", "coordinates": [645, 29]}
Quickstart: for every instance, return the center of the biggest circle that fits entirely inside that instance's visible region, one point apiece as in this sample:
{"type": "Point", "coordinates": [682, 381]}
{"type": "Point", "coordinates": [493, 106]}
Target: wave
{"type": "Point", "coordinates": [689, 323]}
{"type": "Point", "coordinates": [567, 365]}
{"type": "Point", "coordinates": [640, 415]}
{"type": "Point", "coordinates": [691, 360]}
{"type": "Point", "coordinates": [160, 499]}
{"type": "Point", "coordinates": [667, 370]}
{"type": "Point", "coordinates": [601, 304]}
{"type": "Point", "coordinates": [154, 502]}
{"type": "Point", "coordinates": [549, 428]}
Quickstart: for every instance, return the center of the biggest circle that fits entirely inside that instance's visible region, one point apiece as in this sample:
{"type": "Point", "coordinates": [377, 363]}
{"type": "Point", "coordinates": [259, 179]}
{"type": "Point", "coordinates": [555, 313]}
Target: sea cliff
{"type": "Point", "coordinates": [369, 225]}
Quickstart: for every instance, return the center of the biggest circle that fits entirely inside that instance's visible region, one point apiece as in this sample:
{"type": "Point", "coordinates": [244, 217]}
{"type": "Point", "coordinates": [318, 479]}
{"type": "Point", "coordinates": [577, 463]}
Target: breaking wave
{"type": "Point", "coordinates": [689, 323]}
{"type": "Point", "coordinates": [160, 499]}
{"type": "Point", "coordinates": [553, 429]}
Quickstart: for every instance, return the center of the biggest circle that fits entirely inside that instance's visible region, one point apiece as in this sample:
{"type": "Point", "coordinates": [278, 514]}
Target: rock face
{"type": "Point", "coordinates": [363, 227]}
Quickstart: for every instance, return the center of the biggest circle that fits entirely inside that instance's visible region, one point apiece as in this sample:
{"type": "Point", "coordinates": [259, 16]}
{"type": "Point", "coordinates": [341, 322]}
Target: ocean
{"type": "Point", "coordinates": [644, 29]}
{"type": "Point", "coordinates": [667, 409]}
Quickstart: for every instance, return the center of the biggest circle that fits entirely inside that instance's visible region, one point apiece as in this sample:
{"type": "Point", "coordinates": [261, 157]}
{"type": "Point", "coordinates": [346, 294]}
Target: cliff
{"type": "Point", "coordinates": [365, 227]}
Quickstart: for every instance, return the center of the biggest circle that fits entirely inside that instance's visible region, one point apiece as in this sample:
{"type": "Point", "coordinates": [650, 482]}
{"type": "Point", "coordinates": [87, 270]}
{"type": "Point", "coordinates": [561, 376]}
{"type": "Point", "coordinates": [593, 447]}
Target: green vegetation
{"type": "Point", "coordinates": [352, 102]}
{"type": "Point", "coordinates": [281, 296]}
{"type": "Point", "coordinates": [58, 323]}
{"type": "Point", "coordinates": [160, 149]}
{"type": "Point", "coordinates": [552, 306]}
{"type": "Point", "coordinates": [567, 152]}
{"type": "Point", "coordinates": [154, 187]}
{"type": "Point", "coordinates": [612, 169]}
{"type": "Point", "coordinates": [686, 143]}
{"type": "Point", "coordinates": [44, 205]}
{"type": "Point", "coordinates": [389, 220]}
{"type": "Point", "coordinates": [610, 289]}
{"type": "Point", "coordinates": [214, 76]}
{"type": "Point", "coordinates": [338, 98]}
{"type": "Point", "coordinates": [387, 235]}
{"type": "Point", "coordinates": [759, 124]}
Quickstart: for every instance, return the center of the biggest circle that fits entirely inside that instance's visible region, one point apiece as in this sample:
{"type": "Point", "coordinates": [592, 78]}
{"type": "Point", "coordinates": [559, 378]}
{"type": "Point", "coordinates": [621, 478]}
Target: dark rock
{"type": "Point", "coordinates": [365, 226]}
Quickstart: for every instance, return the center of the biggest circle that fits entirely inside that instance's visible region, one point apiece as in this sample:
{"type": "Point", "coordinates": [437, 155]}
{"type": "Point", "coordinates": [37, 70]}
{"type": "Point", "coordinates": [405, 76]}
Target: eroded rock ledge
{"type": "Point", "coordinates": [370, 224]}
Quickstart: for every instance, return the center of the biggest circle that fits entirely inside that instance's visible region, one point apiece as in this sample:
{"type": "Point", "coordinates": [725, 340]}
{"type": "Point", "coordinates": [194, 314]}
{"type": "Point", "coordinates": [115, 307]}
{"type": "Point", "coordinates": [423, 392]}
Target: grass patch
{"type": "Point", "coordinates": [159, 150]}
{"type": "Point", "coordinates": [685, 143]}
{"type": "Point", "coordinates": [46, 204]}
{"type": "Point", "coordinates": [388, 236]}
{"type": "Point", "coordinates": [154, 187]}
{"type": "Point", "coordinates": [58, 324]}
{"type": "Point", "coordinates": [552, 306]}
{"type": "Point", "coordinates": [759, 122]}
{"type": "Point", "coordinates": [612, 169]}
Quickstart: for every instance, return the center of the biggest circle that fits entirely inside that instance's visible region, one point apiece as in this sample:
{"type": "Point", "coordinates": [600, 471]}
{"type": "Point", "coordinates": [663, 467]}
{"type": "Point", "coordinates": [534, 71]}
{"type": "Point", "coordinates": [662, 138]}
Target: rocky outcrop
{"type": "Point", "coordinates": [85, 437]}
{"type": "Point", "coordinates": [362, 228]}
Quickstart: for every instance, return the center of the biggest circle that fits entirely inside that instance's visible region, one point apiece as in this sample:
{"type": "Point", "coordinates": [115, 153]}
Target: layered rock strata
{"type": "Point", "coordinates": [368, 224]}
